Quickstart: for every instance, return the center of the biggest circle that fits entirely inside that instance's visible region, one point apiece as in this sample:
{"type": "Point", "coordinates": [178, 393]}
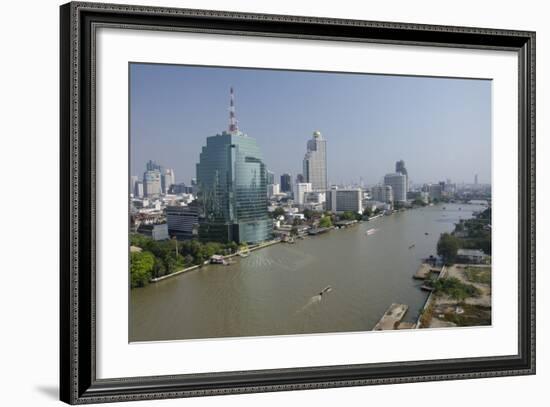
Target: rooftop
{"type": "Point", "coordinates": [470, 252]}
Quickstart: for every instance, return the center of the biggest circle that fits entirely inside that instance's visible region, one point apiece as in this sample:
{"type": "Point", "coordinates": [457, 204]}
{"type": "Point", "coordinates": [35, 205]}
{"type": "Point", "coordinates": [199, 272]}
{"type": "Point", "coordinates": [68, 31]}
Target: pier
{"type": "Point", "coordinates": [392, 317]}
{"type": "Point", "coordinates": [424, 271]}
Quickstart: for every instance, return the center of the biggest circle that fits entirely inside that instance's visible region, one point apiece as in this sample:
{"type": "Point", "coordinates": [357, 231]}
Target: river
{"type": "Point", "coordinates": [275, 290]}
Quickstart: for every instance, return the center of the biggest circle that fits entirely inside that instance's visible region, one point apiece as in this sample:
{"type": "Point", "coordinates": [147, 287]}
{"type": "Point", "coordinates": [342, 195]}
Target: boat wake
{"type": "Point", "coordinates": [316, 299]}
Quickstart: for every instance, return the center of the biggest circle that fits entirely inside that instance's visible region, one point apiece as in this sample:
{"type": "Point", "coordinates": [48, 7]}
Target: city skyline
{"type": "Point", "coordinates": [169, 131]}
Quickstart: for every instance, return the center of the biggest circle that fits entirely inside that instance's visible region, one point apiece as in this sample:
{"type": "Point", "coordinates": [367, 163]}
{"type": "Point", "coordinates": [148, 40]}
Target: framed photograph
{"type": "Point", "coordinates": [255, 203]}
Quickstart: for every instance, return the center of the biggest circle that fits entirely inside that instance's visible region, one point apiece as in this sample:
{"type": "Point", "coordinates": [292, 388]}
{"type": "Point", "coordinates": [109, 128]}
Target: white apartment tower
{"type": "Point", "coordinates": [382, 193]}
{"type": "Point", "coordinates": [398, 183]}
{"type": "Point", "coordinates": [168, 179]}
{"type": "Point", "coordinates": [315, 163]}
{"type": "Point", "coordinates": [343, 200]}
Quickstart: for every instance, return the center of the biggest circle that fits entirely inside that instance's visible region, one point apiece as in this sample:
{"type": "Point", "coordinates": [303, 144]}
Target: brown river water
{"type": "Point", "coordinates": [275, 291]}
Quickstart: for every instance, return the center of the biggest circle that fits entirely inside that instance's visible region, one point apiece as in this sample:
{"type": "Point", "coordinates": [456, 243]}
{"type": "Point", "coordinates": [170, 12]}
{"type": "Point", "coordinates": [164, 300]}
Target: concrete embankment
{"type": "Point", "coordinates": [392, 317]}
{"type": "Point", "coordinates": [185, 270]}
{"type": "Point", "coordinates": [429, 300]}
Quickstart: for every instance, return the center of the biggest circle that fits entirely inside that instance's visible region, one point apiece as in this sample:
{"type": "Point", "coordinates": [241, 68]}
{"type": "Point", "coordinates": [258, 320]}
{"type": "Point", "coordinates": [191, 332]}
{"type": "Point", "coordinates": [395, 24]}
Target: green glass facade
{"type": "Point", "coordinates": [232, 181]}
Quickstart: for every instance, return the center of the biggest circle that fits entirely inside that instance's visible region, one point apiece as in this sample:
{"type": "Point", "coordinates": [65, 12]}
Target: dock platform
{"type": "Point", "coordinates": [392, 317]}
{"type": "Point", "coordinates": [424, 271]}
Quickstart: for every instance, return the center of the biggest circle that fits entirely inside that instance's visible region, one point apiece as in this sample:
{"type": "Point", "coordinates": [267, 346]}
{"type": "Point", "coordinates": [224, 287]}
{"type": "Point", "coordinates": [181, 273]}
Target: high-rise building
{"type": "Point", "coordinates": [272, 190]}
{"type": "Point", "coordinates": [133, 182]}
{"type": "Point", "coordinates": [315, 162]}
{"type": "Point", "coordinates": [270, 177]}
{"type": "Point", "coordinates": [398, 183]}
{"type": "Point", "coordinates": [152, 166]}
{"type": "Point", "coordinates": [232, 182]}
{"type": "Point", "coordinates": [401, 169]}
{"type": "Point", "coordinates": [138, 191]}
{"type": "Point", "coordinates": [152, 185]}
{"type": "Point", "coordinates": [168, 179]}
{"type": "Point", "coordinates": [382, 193]}
{"type": "Point", "coordinates": [301, 189]}
{"type": "Point", "coordinates": [194, 186]}
{"type": "Point", "coordinates": [286, 183]}
{"type": "Point", "coordinates": [435, 190]}
{"type": "Point", "coordinates": [344, 200]}
{"type": "Point", "coordinates": [475, 180]}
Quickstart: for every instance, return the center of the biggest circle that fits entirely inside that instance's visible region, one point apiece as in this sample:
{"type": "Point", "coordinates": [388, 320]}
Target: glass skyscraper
{"type": "Point", "coordinates": [232, 182]}
{"type": "Point", "coordinates": [315, 162]}
{"type": "Point", "coordinates": [286, 183]}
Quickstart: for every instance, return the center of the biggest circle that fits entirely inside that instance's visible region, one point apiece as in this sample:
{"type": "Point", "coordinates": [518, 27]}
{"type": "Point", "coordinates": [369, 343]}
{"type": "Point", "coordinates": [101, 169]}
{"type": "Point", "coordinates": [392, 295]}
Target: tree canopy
{"type": "Point", "coordinates": [141, 267]}
{"type": "Point", "coordinates": [447, 247]}
{"type": "Point", "coordinates": [325, 222]}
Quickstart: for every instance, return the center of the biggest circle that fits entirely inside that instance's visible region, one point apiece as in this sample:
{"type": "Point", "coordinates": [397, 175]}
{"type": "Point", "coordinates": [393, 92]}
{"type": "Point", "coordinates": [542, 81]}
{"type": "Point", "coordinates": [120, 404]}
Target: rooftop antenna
{"type": "Point", "coordinates": [233, 128]}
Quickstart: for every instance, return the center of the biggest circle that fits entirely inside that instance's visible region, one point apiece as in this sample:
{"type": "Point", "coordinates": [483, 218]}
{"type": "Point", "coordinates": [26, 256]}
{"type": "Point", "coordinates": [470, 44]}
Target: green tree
{"type": "Point", "coordinates": [141, 267]}
{"type": "Point", "coordinates": [278, 212]}
{"type": "Point", "coordinates": [325, 222]}
{"type": "Point", "coordinates": [419, 202]}
{"type": "Point", "coordinates": [348, 215]}
{"type": "Point", "coordinates": [447, 247]}
{"type": "Point", "coordinates": [308, 213]}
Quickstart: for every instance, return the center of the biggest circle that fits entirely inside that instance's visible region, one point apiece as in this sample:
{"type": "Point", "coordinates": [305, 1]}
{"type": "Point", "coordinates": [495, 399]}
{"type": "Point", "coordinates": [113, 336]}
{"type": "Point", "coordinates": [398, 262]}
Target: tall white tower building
{"type": "Point", "coordinates": [315, 163]}
{"type": "Point", "coordinates": [398, 183]}
{"type": "Point", "coordinates": [168, 179]}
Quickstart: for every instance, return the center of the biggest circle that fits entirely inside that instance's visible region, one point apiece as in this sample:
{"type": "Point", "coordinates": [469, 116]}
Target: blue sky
{"type": "Point", "coordinates": [441, 127]}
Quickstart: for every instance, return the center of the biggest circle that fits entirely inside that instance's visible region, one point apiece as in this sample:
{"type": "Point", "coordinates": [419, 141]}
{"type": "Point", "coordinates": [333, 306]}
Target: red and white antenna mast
{"type": "Point", "coordinates": [233, 128]}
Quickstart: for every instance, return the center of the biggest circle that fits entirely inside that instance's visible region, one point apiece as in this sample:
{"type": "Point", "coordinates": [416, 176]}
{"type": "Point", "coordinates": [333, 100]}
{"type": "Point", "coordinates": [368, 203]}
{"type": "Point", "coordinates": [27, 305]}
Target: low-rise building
{"type": "Point", "coordinates": [471, 256]}
{"type": "Point", "coordinates": [182, 221]}
{"type": "Point", "coordinates": [301, 189]}
{"type": "Point", "coordinates": [154, 231]}
{"type": "Point", "coordinates": [343, 200]}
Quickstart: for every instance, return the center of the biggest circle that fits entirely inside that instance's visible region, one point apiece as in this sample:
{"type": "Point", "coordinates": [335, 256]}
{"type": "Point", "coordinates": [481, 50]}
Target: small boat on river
{"type": "Point", "coordinates": [327, 289]}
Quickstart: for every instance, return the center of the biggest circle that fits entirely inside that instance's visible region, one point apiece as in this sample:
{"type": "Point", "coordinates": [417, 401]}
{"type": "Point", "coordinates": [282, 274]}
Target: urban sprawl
{"type": "Point", "coordinates": [235, 204]}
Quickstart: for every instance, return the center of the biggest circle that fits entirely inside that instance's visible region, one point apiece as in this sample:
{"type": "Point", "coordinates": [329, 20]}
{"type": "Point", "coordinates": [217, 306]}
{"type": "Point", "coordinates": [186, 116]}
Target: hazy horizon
{"type": "Point", "coordinates": [440, 127]}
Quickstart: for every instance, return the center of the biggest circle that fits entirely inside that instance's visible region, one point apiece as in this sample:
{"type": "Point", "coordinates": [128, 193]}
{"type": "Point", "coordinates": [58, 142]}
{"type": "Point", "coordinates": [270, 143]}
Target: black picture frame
{"type": "Point", "coordinates": [78, 382]}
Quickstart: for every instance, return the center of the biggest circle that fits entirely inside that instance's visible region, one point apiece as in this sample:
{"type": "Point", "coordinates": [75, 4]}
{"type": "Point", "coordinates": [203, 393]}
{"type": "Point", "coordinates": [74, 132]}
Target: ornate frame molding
{"type": "Point", "coordinates": [79, 21]}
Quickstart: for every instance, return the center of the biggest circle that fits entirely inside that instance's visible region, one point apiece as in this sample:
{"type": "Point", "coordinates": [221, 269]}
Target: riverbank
{"type": "Point", "coordinates": [229, 256]}
{"type": "Point", "coordinates": [444, 309]}
{"type": "Point", "coordinates": [252, 248]}
{"type": "Point", "coordinates": [459, 294]}
{"type": "Point", "coordinates": [311, 233]}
